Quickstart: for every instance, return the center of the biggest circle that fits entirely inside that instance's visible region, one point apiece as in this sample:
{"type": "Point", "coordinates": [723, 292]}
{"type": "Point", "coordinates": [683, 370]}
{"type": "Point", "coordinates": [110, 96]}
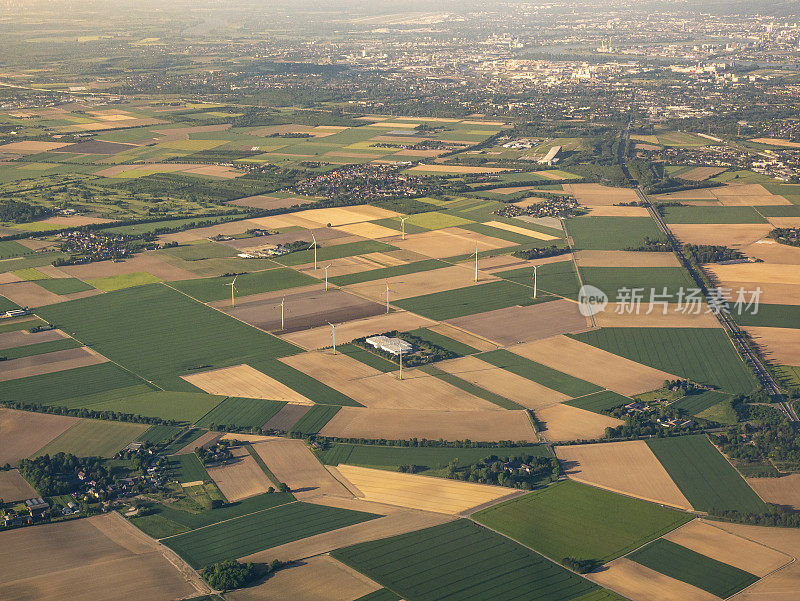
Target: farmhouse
{"type": "Point", "coordinates": [393, 346]}
{"type": "Point", "coordinates": [37, 507]}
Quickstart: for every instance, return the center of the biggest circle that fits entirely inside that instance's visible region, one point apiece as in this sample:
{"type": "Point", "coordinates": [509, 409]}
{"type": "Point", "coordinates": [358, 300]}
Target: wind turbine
{"type": "Point", "coordinates": [476, 260]}
{"type": "Point", "coordinates": [314, 246]}
{"type": "Point", "coordinates": [535, 269]}
{"type": "Point", "coordinates": [233, 288]}
{"type": "Point", "coordinates": [403, 226]}
{"type": "Point", "coordinates": [326, 277]}
{"type": "Point", "coordinates": [283, 300]}
{"type": "Point", "coordinates": [401, 363]}
{"type": "Point", "coordinates": [333, 331]}
{"type": "Point", "coordinates": [387, 296]}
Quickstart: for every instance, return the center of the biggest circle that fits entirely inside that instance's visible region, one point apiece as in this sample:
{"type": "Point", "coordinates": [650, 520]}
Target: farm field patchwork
{"type": "Point", "coordinates": [242, 412]}
{"type": "Point", "coordinates": [611, 233]}
{"type": "Point", "coordinates": [446, 562]}
{"type": "Point", "coordinates": [93, 438]}
{"type": "Point", "coordinates": [703, 475]}
{"type": "Point", "coordinates": [215, 289]}
{"type": "Point", "coordinates": [555, 521]}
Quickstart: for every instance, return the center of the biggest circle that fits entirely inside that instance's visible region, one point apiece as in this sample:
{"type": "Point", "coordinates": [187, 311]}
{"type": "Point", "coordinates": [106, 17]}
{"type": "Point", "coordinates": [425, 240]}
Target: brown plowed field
{"type": "Point", "coordinates": [778, 345]}
{"type": "Point", "coordinates": [628, 467]}
{"type": "Point", "coordinates": [734, 235]}
{"type": "Point", "coordinates": [639, 583]}
{"type": "Point", "coordinates": [48, 363]}
{"type": "Point", "coordinates": [563, 422]}
{"type": "Point", "coordinates": [144, 262]}
{"type": "Point", "coordinates": [375, 389]}
{"type": "Point", "coordinates": [513, 325]}
{"type": "Point", "coordinates": [460, 335]}
{"type": "Point", "coordinates": [24, 338]}
{"type": "Point", "coordinates": [14, 487]}
{"type": "Point", "coordinates": [398, 424]}
{"type": "Point", "coordinates": [593, 364]}
{"type": "Point", "coordinates": [22, 433]}
{"type": "Point", "coordinates": [674, 318]}
{"type": "Point", "coordinates": [241, 477]}
{"type": "Point", "coordinates": [782, 491]}
{"type": "Point", "coordinates": [597, 194]}
{"type": "Point", "coordinates": [286, 417]}
{"type": "Point", "coordinates": [624, 258]}
{"type": "Point", "coordinates": [616, 211]}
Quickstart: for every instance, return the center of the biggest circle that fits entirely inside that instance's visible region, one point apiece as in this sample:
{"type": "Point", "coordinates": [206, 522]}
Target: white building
{"type": "Point", "coordinates": [394, 346]}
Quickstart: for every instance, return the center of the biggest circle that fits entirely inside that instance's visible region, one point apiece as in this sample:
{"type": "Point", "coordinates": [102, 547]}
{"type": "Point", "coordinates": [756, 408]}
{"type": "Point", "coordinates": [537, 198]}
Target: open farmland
{"type": "Point", "coordinates": [184, 407]}
{"type": "Point", "coordinates": [640, 583]}
{"type": "Point", "coordinates": [258, 531]}
{"type": "Point", "coordinates": [312, 420]}
{"type": "Point", "coordinates": [242, 412]}
{"type": "Point", "coordinates": [702, 354]}
{"type": "Point", "coordinates": [216, 289]}
{"type": "Point", "coordinates": [447, 562]}
{"type": "Point", "coordinates": [629, 468]}
{"type": "Point", "coordinates": [420, 492]}
{"type": "Point", "coordinates": [24, 432]}
{"type": "Point", "coordinates": [569, 519]}
{"type": "Point", "coordinates": [243, 381]}
{"type": "Point", "coordinates": [240, 477]}
{"type": "Point", "coordinates": [611, 233]}
{"type": "Point", "coordinates": [13, 487]}
{"type": "Point", "coordinates": [168, 334]}
{"type": "Point", "coordinates": [96, 559]}
{"type": "Point", "coordinates": [90, 438]}
{"type": "Point", "coordinates": [703, 475]}
{"type": "Point", "coordinates": [683, 564]}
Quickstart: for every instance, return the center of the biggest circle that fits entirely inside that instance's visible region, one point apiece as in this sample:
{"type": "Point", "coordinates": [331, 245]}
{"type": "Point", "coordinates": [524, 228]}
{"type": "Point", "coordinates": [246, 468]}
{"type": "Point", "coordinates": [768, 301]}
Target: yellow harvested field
{"type": "Point", "coordinates": [674, 318]}
{"type": "Point", "coordinates": [700, 194]}
{"type": "Point", "coordinates": [398, 424]}
{"type": "Point", "coordinates": [396, 520]}
{"type": "Point", "coordinates": [29, 294]}
{"type": "Point", "coordinates": [395, 124]}
{"type": "Point", "coordinates": [593, 364]}
{"type": "Point", "coordinates": [563, 422]}
{"type": "Point", "coordinates": [597, 194]}
{"type": "Point", "coordinates": [422, 282]}
{"type": "Point", "coordinates": [783, 584]}
{"type": "Point", "coordinates": [317, 338]}
{"type": "Point", "coordinates": [780, 346]}
{"type": "Point", "coordinates": [146, 262]}
{"type": "Point", "coordinates": [244, 381]}
{"type": "Point", "coordinates": [449, 242]}
{"type": "Point", "coordinates": [614, 211]}
{"type": "Point", "coordinates": [368, 230]}
{"type": "Point", "coordinates": [756, 272]}
{"type": "Point", "coordinates": [781, 491]}
{"type": "Point", "coordinates": [343, 266]}
{"type": "Point", "coordinates": [293, 463]}
{"type": "Point", "coordinates": [319, 578]}
{"type": "Point", "coordinates": [747, 195]}
{"type": "Point", "coordinates": [101, 558]}
{"type": "Point", "coordinates": [784, 222]}
{"type": "Point", "coordinates": [499, 381]}
{"type": "Point", "coordinates": [709, 540]}
{"type": "Point", "coordinates": [639, 583]}
{"type": "Point", "coordinates": [240, 477]}
{"type": "Point", "coordinates": [459, 335]}
{"type": "Point", "coordinates": [772, 294]}
{"type": "Point", "coordinates": [776, 142]}
{"type": "Point", "coordinates": [520, 230]}
{"type": "Point", "coordinates": [421, 492]}
{"type": "Point", "coordinates": [629, 468]}
{"type": "Point", "coordinates": [771, 251]}
{"type": "Point", "coordinates": [30, 147]}
{"type": "Point", "coordinates": [456, 168]}
{"type": "Point", "coordinates": [734, 235]}
{"type": "Point", "coordinates": [374, 389]}
{"type": "Point", "coordinates": [337, 216]}
{"type": "Point", "coordinates": [624, 258]}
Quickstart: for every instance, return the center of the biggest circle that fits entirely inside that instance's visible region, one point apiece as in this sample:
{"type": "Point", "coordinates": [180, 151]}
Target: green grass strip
{"type": "Point", "coordinates": [315, 419]}
{"type": "Point", "coordinates": [536, 372]}
{"type": "Point", "coordinates": [368, 358]}
{"type": "Point", "coordinates": [599, 402]}
{"type": "Point", "coordinates": [260, 462]}
{"type": "Point", "coordinates": [39, 348]}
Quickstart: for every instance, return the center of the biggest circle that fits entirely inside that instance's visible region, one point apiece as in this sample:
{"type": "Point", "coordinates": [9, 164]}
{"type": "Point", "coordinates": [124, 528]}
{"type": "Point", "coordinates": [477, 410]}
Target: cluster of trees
{"type": "Point", "coordinates": [506, 472]}
{"type": "Point", "coordinates": [658, 245]}
{"type": "Point", "coordinates": [22, 212]}
{"type": "Point", "coordinates": [229, 575]}
{"type": "Point", "coordinates": [786, 235]}
{"type": "Point", "coordinates": [216, 453]}
{"type": "Point", "coordinates": [425, 352]}
{"type": "Point", "coordinates": [82, 412]}
{"type": "Point", "coordinates": [582, 566]}
{"type": "Point", "coordinates": [644, 424]}
{"type": "Point", "coordinates": [57, 475]}
{"type": "Point", "coordinates": [710, 253]}
{"type": "Point", "coordinates": [776, 515]}
{"type": "Point", "coordinates": [540, 253]}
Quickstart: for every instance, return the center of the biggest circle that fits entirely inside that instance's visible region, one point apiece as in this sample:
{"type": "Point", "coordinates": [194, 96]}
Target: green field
{"type": "Point", "coordinates": [241, 413]}
{"type": "Point", "coordinates": [53, 389]}
{"type": "Point", "coordinates": [64, 285]}
{"type": "Point", "coordinates": [11, 248]}
{"type": "Point", "coordinates": [569, 519]}
{"type": "Point", "coordinates": [315, 419]}
{"type": "Point", "coordinates": [338, 251]}
{"type": "Point", "coordinates": [258, 531]}
{"type": "Point", "coordinates": [214, 289]}
{"type": "Point", "coordinates": [599, 402]}
{"type": "Point", "coordinates": [704, 355]}
{"type": "Point", "coordinates": [461, 560]}
{"type": "Point", "coordinates": [611, 233]}
{"type": "Point", "coordinates": [123, 280]}
{"type": "Point", "coordinates": [469, 300]}
{"type": "Point", "coordinates": [388, 272]}
{"type": "Point", "coordinates": [186, 468]}
{"type": "Point", "coordinates": [167, 520]}
{"type": "Point", "coordinates": [435, 220]}
{"type": "Point", "coordinates": [15, 326]}
{"type": "Point", "coordinates": [557, 278]}
{"type": "Point", "coordinates": [683, 564]}
{"type": "Point", "coordinates": [93, 438]}
{"type": "Point", "coordinates": [703, 475]}
{"type": "Point", "coordinates": [454, 346]}
{"type": "Point", "coordinates": [431, 458]}
{"type": "Point", "coordinates": [694, 404]}
{"type": "Point", "coordinates": [7, 304]}
{"type": "Point", "coordinates": [185, 407]}
{"type": "Point", "coordinates": [712, 215]}
{"type": "Point", "coordinates": [536, 372]}
{"type": "Point", "coordinates": [167, 333]}
{"type": "Point", "coordinates": [653, 280]}
{"type": "Point", "coordinates": [39, 348]}
{"type": "Point", "coordinates": [201, 250]}
{"type": "Point", "coordinates": [770, 316]}
{"type": "Point", "coordinates": [471, 388]}
{"type": "Point", "coordinates": [367, 357]}
{"type": "Point", "coordinates": [158, 434]}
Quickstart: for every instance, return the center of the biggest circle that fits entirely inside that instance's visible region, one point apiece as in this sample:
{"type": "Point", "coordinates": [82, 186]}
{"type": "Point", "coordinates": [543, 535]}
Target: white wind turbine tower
{"type": "Point", "coordinates": [333, 332]}
{"type": "Point", "coordinates": [283, 300]}
{"type": "Point", "coordinates": [387, 295]}
{"type": "Point", "coordinates": [401, 363]}
{"type": "Point", "coordinates": [314, 246]}
{"type": "Point", "coordinates": [326, 277]}
{"type": "Point", "coordinates": [403, 226]}
{"type": "Point", "coordinates": [535, 270]}
{"type": "Point", "coordinates": [476, 261]}
{"type": "Point", "coordinates": [233, 288]}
